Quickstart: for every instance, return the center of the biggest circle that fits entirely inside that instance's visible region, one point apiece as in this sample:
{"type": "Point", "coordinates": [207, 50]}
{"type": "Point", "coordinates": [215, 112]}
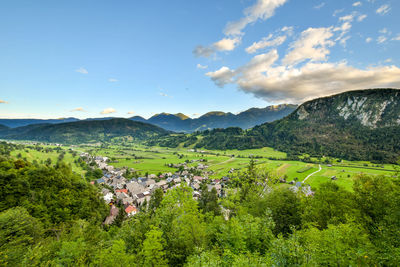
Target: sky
{"type": "Point", "coordinates": [122, 58]}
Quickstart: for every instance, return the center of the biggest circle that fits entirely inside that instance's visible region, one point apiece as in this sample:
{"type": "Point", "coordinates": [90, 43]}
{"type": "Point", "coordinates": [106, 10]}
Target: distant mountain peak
{"type": "Point", "coordinates": [182, 116]}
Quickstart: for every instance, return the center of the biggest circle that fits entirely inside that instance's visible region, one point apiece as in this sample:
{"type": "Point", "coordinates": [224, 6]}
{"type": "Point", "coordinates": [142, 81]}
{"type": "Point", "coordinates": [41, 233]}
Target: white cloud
{"type": "Point", "coordinates": [389, 60]}
{"type": "Point", "coordinates": [203, 51]}
{"type": "Point", "coordinates": [262, 9]}
{"type": "Point", "coordinates": [226, 44]}
{"type": "Point", "coordinates": [381, 39]}
{"type": "Point", "coordinates": [313, 44]}
{"type": "Point", "coordinates": [82, 70]}
{"type": "Point", "coordinates": [288, 30]}
{"type": "Point", "coordinates": [199, 66]}
{"type": "Point", "coordinates": [349, 17]}
{"type": "Point", "coordinates": [131, 112]}
{"type": "Point", "coordinates": [222, 76]}
{"type": "Point", "coordinates": [382, 10]}
{"type": "Point", "coordinates": [337, 11]}
{"type": "Point", "coordinates": [319, 6]}
{"type": "Point", "coordinates": [78, 109]}
{"type": "Point", "coordinates": [383, 31]}
{"type": "Point", "coordinates": [288, 84]}
{"type": "Point", "coordinates": [368, 40]}
{"type": "Point", "coordinates": [357, 4]}
{"type": "Point", "coordinates": [112, 80]}
{"type": "Point", "coordinates": [397, 38]}
{"type": "Point", "coordinates": [361, 17]}
{"type": "Point", "coordinates": [108, 111]}
{"type": "Point", "coordinates": [3, 102]}
{"type": "Point", "coordinates": [343, 41]}
{"type": "Point", "coordinates": [265, 42]}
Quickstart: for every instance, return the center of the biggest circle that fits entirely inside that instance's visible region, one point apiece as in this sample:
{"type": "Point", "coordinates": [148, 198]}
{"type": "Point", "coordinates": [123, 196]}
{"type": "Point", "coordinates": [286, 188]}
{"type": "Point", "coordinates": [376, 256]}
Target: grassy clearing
{"type": "Point", "coordinates": [41, 156]}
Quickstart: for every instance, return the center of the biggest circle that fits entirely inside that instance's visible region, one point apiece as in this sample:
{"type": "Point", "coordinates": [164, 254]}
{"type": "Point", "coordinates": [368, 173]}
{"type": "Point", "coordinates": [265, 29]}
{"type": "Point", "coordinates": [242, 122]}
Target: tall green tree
{"type": "Point", "coordinates": [153, 251]}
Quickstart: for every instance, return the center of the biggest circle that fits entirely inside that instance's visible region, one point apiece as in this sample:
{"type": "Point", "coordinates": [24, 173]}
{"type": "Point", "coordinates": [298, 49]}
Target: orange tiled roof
{"type": "Point", "coordinates": [130, 209]}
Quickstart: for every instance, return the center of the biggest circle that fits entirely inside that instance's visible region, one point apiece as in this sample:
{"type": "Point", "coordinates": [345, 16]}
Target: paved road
{"type": "Point", "coordinates": [305, 179]}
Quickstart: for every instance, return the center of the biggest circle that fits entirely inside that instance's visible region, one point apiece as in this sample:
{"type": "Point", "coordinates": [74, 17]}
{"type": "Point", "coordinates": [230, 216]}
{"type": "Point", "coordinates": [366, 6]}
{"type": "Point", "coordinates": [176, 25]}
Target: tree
{"type": "Point", "coordinates": [331, 204]}
{"type": "Point", "coordinates": [18, 231]}
{"type": "Point", "coordinates": [285, 208]}
{"type": "Point", "coordinates": [156, 199]}
{"type": "Point", "coordinates": [115, 255]}
{"type": "Point", "coordinates": [182, 224]}
{"type": "Point", "coordinates": [153, 252]}
{"type": "Point", "coordinates": [208, 201]}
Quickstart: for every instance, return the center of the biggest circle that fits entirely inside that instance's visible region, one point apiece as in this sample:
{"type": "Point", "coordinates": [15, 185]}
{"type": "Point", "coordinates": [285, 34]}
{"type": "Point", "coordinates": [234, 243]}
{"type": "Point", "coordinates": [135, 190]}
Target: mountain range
{"type": "Point", "coordinates": [355, 125]}
{"type": "Point", "coordinates": [85, 131]}
{"type": "Point", "coordinates": [181, 123]}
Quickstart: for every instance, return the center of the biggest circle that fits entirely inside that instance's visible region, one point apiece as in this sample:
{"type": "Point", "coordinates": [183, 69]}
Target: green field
{"type": "Point", "coordinates": [155, 159]}
{"type": "Point", "coordinates": [41, 156]}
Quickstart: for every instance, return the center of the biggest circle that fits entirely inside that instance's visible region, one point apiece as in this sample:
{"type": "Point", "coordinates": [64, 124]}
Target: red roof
{"type": "Point", "coordinates": [122, 191]}
{"type": "Point", "coordinates": [130, 209]}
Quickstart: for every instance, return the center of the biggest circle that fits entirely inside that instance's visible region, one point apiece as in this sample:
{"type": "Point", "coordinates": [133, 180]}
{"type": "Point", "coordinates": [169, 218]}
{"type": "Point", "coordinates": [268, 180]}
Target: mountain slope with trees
{"type": "Point", "coordinates": [84, 131]}
{"type": "Point", "coordinates": [355, 125]}
{"type": "Point", "coordinates": [218, 119]}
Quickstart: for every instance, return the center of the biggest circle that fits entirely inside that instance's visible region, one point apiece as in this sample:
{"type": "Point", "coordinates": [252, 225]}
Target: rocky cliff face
{"type": "Point", "coordinates": [371, 108]}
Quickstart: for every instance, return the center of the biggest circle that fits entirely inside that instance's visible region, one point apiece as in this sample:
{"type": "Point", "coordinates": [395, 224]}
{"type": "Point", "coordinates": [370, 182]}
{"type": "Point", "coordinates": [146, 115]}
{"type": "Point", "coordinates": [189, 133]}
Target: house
{"type": "Point", "coordinates": [121, 195]}
{"type": "Point", "coordinates": [177, 180]}
{"type": "Point", "coordinates": [127, 201]}
{"type": "Point", "coordinates": [108, 197]}
{"type": "Point", "coordinates": [196, 186]}
{"type": "Point", "coordinates": [122, 191]}
{"type": "Point", "coordinates": [135, 188]}
{"type": "Point", "coordinates": [198, 178]}
{"type": "Point", "coordinates": [131, 210]}
{"type": "Point", "coordinates": [100, 181]}
{"type": "Point", "coordinates": [150, 181]}
{"type": "Point", "coordinates": [141, 198]}
{"type": "Point", "coordinates": [187, 180]}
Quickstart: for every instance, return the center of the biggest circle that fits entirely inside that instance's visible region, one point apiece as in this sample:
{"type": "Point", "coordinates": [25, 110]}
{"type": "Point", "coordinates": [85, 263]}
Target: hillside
{"type": "Point", "coordinates": [14, 123]}
{"type": "Point", "coordinates": [355, 125]}
{"type": "Point", "coordinates": [3, 128]}
{"type": "Point", "coordinates": [84, 131]}
{"type": "Point", "coordinates": [217, 119]}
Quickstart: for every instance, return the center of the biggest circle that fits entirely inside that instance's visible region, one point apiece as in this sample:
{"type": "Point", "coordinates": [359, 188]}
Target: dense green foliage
{"type": "Point", "coordinates": [84, 131]}
{"type": "Point", "coordinates": [51, 217]}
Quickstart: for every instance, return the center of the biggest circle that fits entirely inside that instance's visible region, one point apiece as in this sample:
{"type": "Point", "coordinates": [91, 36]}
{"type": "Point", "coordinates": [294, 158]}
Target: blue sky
{"type": "Point", "coordinates": [123, 58]}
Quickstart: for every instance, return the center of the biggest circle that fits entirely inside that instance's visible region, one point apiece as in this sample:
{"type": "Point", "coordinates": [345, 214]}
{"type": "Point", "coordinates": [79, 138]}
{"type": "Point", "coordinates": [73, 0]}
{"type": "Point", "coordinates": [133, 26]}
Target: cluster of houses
{"type": "Point", "coordinates": [136, 192]}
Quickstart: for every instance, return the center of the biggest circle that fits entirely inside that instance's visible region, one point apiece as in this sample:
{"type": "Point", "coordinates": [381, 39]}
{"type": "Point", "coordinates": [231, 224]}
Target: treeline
{"type": "Point", "coordinates": [51, 217]}
{"type": "Point", "coordinates": [298, 137]}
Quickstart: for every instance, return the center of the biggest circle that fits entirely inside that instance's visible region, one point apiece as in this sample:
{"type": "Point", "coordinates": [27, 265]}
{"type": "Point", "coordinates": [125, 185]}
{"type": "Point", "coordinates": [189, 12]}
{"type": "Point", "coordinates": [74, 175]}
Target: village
{"type": "Point", "coordinates": [134, 193]}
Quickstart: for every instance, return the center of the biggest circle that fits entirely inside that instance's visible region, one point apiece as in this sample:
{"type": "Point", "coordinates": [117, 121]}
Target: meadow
{"type": "Point", "coordinates": [156, 159]}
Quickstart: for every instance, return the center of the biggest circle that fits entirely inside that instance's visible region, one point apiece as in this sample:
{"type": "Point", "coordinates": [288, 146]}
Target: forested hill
{"type": "Point", "coordinates": [13, 123]}
{"type": "Point", "coordinates": [84, 131]}
{"type": "Point", "coordinates": [3, 127]}
{"type": "Point", "coordinates": [355, 125]}
{"type": "Point", "coordinates": [217, 119]}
